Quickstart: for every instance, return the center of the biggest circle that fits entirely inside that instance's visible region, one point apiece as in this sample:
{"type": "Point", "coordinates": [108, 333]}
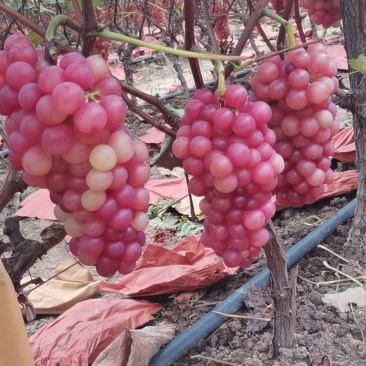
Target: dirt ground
{"type": "Point", "coordinates": [323, 335]}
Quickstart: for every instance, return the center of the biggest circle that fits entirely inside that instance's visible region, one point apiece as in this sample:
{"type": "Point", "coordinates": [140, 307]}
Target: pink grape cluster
{"type": "Point", "coordinates": [221, 27]}
{"type": "Point", "coordinates": [134, 15]}
{"type": "Point", "coordinates": [102, 47]}
{"type": "Point", "coordinates": [157, 12]}
{"type": "Point", "coordinates": [228, 152]}
{"type": "Point", "coordinates": [65, 131]}
{"type": "Point", "coordinates": [303, 119]}
{"type": "Point", "coordinates": [278, 5]}
{"type": "Point", "coordinates": [323, 12]}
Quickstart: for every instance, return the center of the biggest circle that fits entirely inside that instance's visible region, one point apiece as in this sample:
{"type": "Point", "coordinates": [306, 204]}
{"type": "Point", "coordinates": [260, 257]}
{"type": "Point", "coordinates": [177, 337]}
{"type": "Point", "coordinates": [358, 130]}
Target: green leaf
{"type": "Point", "coordinates": [165, 222]}
{"type": "Point", "coordinates": [188, 228]}
{"type": "Point", "coordinates": [96, 3]}
{"type": "Point", "coordinates": [358, 64]}
{"type": "Point", "coordinates": [34, 37]}
{"type": "Point", "coordinates": [178, 112]}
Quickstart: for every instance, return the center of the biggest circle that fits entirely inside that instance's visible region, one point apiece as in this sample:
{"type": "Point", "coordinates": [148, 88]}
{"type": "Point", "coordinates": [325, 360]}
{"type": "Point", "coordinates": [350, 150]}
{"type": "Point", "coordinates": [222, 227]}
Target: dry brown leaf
{"type": "Point", "coordinates": [136, 347]}
{"type": "Point", "coordinates": [341, 300]}
{"type": "Point", "coordinates": [183, 300]}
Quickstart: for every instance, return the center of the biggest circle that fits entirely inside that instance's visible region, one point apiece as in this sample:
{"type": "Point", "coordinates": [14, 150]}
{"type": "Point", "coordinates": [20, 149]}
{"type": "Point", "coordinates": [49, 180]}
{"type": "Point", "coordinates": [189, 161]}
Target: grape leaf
{"type": "Point", "coordinates": [178, 112]}
{"type": "Point", "coordinates": [358, 64]}
{"type": "Point", "coordinates": [34, 37]}
{"type": "Point", "coordinates": [188, 228]}
{"type": "Point", "coordinates": [165, 222]}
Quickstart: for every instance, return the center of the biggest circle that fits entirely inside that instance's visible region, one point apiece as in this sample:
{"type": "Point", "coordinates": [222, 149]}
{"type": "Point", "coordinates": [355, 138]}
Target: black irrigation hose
{"type": "Point", "coordinates": [208, 323]}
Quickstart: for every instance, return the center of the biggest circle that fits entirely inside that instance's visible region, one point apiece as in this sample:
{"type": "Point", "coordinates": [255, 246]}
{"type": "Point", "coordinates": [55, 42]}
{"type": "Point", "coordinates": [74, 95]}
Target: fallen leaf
{"type": "Point", "coordinates": [358, 64]}
{"type": "Point", "coordinates": [183, 300]}
{"type": "Point", "coordinates": [341, 300]}
{"type": "Point", "coordinates": [153, 136]}
{"type": "Point", "coordinates": [135, 347]}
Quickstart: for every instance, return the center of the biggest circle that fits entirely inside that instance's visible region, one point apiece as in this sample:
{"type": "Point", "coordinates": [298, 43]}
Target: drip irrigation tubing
{"type": "Point", "coordinates": [209, 322]}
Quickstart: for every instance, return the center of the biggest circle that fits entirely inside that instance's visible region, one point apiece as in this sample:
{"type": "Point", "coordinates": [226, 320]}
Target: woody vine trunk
{"type": "Point", "coordinates": [353, 13]}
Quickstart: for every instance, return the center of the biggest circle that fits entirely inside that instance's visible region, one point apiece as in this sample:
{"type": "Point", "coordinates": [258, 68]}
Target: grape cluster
{"type": "Point", "coordinates": [157, 12]}
{"type": "Point", "coordinates": [102, 47]}
{"type": "Point", "coordinates": [134, 15]}
{"type": "Point", "coordinates": [303, 119]}
{"type": "Point", "coordinates": [65, 131]}
{"type": "Point", "coordinates": [228, 151]}
{"type": "Point", "coordinates": [278, 5]}
{"type": "Point", "coordinates": [221, 27]}
{"type": "Point", "coordinates": [323, 12]}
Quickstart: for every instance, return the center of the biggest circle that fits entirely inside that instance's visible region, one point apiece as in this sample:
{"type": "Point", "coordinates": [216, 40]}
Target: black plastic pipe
{"type": "Point", "coordinates": [208, 323]}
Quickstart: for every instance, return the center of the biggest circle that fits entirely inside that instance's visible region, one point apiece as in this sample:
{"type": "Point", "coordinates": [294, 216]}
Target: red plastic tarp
{"type": "Point", "coordinates": [344, 142]}
{"type": "Point", "coordinates": [188, 266]}
{"type": "Point", "coordinates": [78, 336]}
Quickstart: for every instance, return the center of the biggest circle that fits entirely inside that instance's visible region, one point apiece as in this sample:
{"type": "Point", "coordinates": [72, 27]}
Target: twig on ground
{"type": "Point", "coordinates": [357, 322]}
{"type": "Point", "coordinates": [331, 252]}
{"type": "Point", "coordinates": [326, 265]}
{"type": "Point", "coordinates": [243, 316]}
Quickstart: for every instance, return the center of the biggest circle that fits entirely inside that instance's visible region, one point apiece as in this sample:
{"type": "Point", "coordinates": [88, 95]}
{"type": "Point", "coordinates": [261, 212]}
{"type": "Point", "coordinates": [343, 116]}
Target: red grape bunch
{"type": "Point", "coordinates": [323, 12]}
{"type": "Point", "coordinates": [303, 119]}
{"type": "Point", "coordinates": [65, 131]}
{"type": "Point", "coordinates": [102, 47]}
{"type": "Point", "coordinates": [157, 12]}
{"type": "Point", "coordinates": [134, 15]}
{"type": "Point", "coordinates": [227, 150]}
{"type": "Point", "coordinates": [221, 27]}
{"type": "Point", "coordinates": [278, 5]}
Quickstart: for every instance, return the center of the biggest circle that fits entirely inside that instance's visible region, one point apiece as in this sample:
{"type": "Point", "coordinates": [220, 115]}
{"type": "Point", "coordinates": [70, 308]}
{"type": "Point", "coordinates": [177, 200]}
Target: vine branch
{"type": "Point", "coordinates": [189, 42]}
{"type": "Point", "coordinates": [254, 18]}
{"type": "Point", "coordinates": [169, 116]}
{"type": "Point", "coordinates": [281, 39]}
{"type": "Point", "coordinates": [361, 17]}
{"type": "Point", "coordinates": [89, 24]}
{"type": "Point", "coordinates": [298, 20]}
{"type": "Point", "coordinates": [27, 23]}
{"type": "Point", "coordinates": [135, 109]}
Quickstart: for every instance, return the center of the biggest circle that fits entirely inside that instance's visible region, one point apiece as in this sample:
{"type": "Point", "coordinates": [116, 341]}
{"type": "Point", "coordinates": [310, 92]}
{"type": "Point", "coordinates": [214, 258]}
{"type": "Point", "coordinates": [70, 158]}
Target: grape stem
{"type": "Point", "coordinates": [219, 66]}
{"type": "Point", "coordinates": [173, 51]}
{"type": "Point", "coordinates": [328, 266]}
{"type": "Point", "coordinates": [271, 54]}
{"type": "Point", "coordinates": [189, 42]}
{"type": "Point", "coordinates": [331, 252]}
{"type": "Point", "coordinates": [56, 22]}
{"type": "Point", "coordinates": [286, 25]}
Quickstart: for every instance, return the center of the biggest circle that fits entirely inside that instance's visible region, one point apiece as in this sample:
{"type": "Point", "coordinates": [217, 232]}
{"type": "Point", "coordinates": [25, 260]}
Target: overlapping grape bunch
{"type": "Point", "coordinates": [228, 151]}
{"type": "Point", "coordinates": [299, 90]}
{"type": "Point", "coordinates": [65, 131]}
{"type": "Point", "coordinates": [278, 5]}
{"type": "Point", "coordinates": [102, 47]}
{"type": "Point", "coordinates": [221, 27]}
{"type": "Point", "coordinates": [323, 12]}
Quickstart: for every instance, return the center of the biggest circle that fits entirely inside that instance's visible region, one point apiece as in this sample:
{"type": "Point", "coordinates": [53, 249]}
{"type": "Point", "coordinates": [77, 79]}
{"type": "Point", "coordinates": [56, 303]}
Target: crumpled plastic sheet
{"type": "Point", "coordinates": [78, 336]}
{"type": "Point", "coordinates": [188, 266]}
{"type": "Point", "coordinates": [65, 290]}
{"type": "Point", "coordinates": [345, 148]}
